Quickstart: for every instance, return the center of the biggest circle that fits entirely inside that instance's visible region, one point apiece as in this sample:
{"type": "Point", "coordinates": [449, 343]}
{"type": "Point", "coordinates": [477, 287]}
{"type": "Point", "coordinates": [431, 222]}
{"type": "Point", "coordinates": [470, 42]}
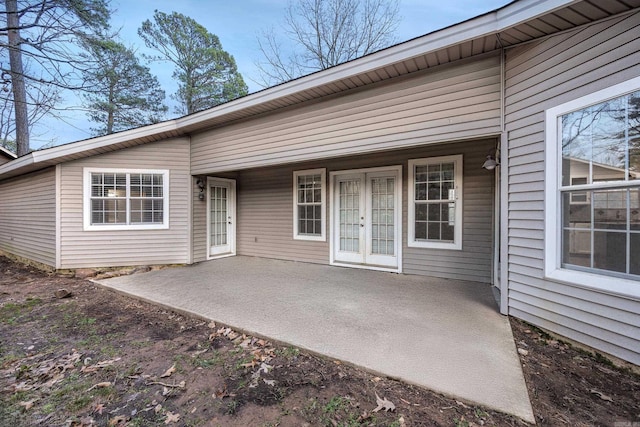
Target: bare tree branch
{"type": "Point", "coordinates": [325, 33]}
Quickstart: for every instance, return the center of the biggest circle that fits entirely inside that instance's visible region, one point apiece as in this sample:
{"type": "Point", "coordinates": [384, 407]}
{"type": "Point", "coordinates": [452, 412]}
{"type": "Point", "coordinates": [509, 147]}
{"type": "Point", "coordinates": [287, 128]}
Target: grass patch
{"type": "Point", "coordinates": [208, 362]}
{"type": "Point", "coordinates": [288, 352]}
{"type": "Point", "coordinates": [11, 312]}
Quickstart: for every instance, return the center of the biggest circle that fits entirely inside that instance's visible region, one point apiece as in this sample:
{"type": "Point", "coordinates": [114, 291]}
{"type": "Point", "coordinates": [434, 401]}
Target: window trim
{"type": "Point", "coordinates": [553, 182]}
{"type": "Point", "coordinates": [457, 160]}
{"type": "Point", "coordinates": [323, 205]}
{"type": "Point", "coordinates": [87, 226]}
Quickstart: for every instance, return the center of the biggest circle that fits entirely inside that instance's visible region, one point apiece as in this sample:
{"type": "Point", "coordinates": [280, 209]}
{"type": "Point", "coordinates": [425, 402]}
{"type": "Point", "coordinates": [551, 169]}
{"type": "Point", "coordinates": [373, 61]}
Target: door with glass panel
{"type": "Point", "coordinates": [366, 217]}
{"type": "Point", "coordinates": [221, 215]}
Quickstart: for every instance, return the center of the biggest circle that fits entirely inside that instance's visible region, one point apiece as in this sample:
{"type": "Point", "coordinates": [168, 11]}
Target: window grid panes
{"type": "Point", "coordinates": [601, 219]}
{"type": "Point", "coordinates": [434, 202]}
{"type": "Point", "coordinates": [350, 215]}
{"type": "Point", "coordinates": [126, 198]}
{"type": "Point", "coordinates": [219, 215]}
{"type": "Point", "coordinates": [383, 214]}
{"type": "Point", "coordinates": [309, 204]}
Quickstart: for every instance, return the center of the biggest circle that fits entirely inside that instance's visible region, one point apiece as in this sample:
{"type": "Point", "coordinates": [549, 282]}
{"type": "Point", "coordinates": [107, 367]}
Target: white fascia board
{"type": "Point", "coordinates": [490, 23]}
{"type": "Point", "coordinates": [103, 141]}
{"type": "Point", "coordinates": [51, 154]}
{"type": "Point", "coordinates": [483, 25]}
{"type": "Point", "coordinates": [7, 153]}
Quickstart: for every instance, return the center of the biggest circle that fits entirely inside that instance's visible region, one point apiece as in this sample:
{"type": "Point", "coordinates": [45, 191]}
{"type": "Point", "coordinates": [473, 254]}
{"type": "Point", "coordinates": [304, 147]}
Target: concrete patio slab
{"type": "Point", "coordinates": [444, 335]}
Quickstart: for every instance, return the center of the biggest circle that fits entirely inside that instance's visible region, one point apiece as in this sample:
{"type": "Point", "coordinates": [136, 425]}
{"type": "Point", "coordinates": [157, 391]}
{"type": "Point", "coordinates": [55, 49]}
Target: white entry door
{"type": "Point", "coordinates": [367, 216]}
{"type": "Point", "coordinates": [221, 206]}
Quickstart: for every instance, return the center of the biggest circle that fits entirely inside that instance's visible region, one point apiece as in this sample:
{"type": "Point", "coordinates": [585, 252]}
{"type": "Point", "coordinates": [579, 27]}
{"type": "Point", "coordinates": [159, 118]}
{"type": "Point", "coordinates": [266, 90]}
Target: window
{"type": "Point", "coordinates": [125, 199]}
{"type": "Point", "coordinates": [309, 204]}
{"type": "Point", "coordinates": [435, 202]}
{"type": "Point", "coordinates": [593, 189]}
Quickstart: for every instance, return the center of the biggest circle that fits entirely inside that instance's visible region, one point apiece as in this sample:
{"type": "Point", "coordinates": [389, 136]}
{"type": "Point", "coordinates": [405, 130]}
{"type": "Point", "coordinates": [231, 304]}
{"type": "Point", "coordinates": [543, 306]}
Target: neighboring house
{"type": "Point", "coordinates": [377, 164]}
{"type": "Point", "coordinates": [6, 156]}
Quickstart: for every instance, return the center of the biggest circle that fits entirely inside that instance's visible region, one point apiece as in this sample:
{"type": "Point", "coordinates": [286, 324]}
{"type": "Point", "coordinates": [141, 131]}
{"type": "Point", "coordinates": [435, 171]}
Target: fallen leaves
{"type": "Point", "coordinates": [601, 395]}
{"type": "Point", "coordinates": [87, 369]}
{"type": "Point", "coordinates": [385, 404]}
{"type": "Point", "coordinates": [27, 404]}
{"type": "Point", "coordinates": [30, 373]}
{"type": "Point", "coordinates": [171, 418]}
{"type": "Point", "coordinates": [169, 371]}
{"type": "Point", "coordinates": [104, 384]}
{"type": "Point", "coordinates": [115, 421]}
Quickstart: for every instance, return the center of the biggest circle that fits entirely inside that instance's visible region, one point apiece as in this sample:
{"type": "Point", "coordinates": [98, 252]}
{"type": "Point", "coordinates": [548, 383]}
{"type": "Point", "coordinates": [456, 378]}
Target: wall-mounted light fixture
{"type": "Point", "coordinates": [201, 185]}
{"type": "Point", "coordinates": [493, 159]}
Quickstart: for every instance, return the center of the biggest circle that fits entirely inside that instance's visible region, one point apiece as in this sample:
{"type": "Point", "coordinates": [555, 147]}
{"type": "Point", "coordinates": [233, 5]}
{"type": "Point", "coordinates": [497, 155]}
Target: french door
{"type": "Point", "coordinates": [221, 206]}
{"type": "Point", "coordinates": [366, 217]}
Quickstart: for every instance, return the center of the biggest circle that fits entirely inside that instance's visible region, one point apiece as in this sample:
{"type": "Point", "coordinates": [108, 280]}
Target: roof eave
{"type": "Point", "coordinates": [490, 23]}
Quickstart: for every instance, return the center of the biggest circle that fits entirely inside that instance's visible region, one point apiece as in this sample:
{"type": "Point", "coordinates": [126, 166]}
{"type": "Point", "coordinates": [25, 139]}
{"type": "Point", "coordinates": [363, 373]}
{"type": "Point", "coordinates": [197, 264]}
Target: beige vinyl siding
{"type": "Point", "coordinates": [28, 216]}
{"type": "Point", "coordinates": [473, 262]}
{"type": "Point", "coordinates": [453, 102]}
{"type": "Point", "coordinates": [81, 248]}
{"type": "Point", "coordinates": [541, 75]}
{"type": "Point", "coordinates": [199, 223]}
{"type": "Point", "coordinates": [265, 217]}
{"type": "Point", "coordinates": [265, 213]}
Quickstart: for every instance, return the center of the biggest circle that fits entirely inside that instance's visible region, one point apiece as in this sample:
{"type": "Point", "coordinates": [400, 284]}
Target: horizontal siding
{"type": "Point", "coordinates": [28, 216]}
{"type": "Point", "coordinates": [449, 103]}
{"type": "Point", "coordinates": [540, 75]}
{"type": "Point", "coordinates": [81, 248]}
{"type": "Point", "coordinates": [265, 213]}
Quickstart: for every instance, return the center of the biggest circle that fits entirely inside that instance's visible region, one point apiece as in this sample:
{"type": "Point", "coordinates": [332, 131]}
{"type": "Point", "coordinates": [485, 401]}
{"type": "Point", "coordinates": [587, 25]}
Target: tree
{"type": "Point", "coordinates": [207, 75]}
{"type": "Point", "coordinates": [325, 33]}
{"type": "Point", "coordinates": [41, 35]}
{"type": "Point", "coordinates": [40, 100]}
{"type": "Point", "coordinates": [125, 94]}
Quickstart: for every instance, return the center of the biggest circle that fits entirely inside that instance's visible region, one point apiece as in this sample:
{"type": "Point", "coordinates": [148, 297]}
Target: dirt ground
{"type": "Point", "coordinates": [100, 358]}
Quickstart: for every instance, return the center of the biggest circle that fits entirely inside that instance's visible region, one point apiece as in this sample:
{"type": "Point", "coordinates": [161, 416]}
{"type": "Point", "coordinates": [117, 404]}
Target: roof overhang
{"type": "Point", "coordinates": [518, 22]}
{"type": "Point", "coordinates": [6, 153]}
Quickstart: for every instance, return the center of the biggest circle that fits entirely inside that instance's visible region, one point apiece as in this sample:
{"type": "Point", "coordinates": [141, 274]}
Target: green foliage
{"type": "Point", "coordinates": [125, 94]}
{"type": "Point", "coordinates": [288, 352]}
{"type": "Point", "coordinates": [207, 74]}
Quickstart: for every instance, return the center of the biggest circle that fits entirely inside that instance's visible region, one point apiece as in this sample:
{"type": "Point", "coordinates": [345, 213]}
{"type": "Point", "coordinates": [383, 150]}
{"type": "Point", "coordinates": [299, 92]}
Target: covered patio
{"type": "Point", "coordinates": [444, 335]}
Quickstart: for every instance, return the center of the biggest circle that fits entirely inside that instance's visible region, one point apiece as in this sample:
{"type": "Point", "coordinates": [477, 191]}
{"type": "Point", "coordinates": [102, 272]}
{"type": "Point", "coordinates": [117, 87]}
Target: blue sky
{"type": "Point", "coordinates": [238, 23]}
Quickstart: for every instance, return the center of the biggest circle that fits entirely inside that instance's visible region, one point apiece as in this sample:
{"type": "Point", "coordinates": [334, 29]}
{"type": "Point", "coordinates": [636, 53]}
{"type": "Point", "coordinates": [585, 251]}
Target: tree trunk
{"type": "Point", "coordinates": [17, 78]}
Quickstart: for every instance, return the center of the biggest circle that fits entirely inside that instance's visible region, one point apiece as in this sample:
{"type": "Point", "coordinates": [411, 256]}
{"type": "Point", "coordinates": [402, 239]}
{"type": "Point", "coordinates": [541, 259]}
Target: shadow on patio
{"type": "Point", "coordinates": [444, 335]}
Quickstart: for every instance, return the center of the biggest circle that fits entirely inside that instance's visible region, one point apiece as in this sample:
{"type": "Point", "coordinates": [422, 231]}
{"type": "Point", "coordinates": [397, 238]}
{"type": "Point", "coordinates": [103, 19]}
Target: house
{"type": "Point", "coordinates": [377, 164]}
{"type": "Point", "coordinates": [6, 156]}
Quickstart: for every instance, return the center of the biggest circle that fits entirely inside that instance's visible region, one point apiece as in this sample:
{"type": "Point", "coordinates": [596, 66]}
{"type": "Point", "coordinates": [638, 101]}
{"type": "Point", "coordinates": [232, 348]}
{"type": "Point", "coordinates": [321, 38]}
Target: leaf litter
{"type": "Point", "coordinates": [214, 366]}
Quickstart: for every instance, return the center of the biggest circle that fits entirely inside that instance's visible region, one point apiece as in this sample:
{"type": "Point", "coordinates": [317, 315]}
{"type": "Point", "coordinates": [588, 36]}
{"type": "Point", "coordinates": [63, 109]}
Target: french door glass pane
{"type": "Point", "coordinates": [349, 215]}
{"type": "Point", "coordinates": [382, 211]}
{"type": "Point", "coordinates": [218, 216]}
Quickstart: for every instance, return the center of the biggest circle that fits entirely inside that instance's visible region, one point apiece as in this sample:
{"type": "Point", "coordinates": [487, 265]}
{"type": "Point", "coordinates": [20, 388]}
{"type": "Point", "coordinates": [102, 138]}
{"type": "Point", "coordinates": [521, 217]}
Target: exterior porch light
{"type": "Point", "coordinates": [201, 185]}
{"type": "Point", "coordinates": [492, 161]}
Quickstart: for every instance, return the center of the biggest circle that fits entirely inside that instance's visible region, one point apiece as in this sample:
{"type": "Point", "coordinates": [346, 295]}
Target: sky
{"type": "Point", "coordinates": [238, 23]}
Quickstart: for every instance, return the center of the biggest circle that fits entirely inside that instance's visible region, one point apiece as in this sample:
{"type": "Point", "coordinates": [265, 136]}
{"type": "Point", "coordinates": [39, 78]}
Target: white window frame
{"type": "Point", "coordinates": [87, 226]}
{"type": "Point", "coordinates": [323, 205]}
{"type": "Point", "coordinates": [553, 182]}
{"type": "Point", "coordinates": [458, 186]}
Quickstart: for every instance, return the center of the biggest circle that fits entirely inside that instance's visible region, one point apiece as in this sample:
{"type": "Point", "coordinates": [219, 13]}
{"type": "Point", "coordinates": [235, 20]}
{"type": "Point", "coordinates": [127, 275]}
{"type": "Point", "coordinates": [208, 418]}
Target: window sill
{"type": "Point", "coordinates": [310, 238]}
{"type": "Point", "coordinates": [606, 284]}
{"type": "Point", "coordinates": [435, 245]}
{"type": "Point", "coordinates": [120, 227]}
